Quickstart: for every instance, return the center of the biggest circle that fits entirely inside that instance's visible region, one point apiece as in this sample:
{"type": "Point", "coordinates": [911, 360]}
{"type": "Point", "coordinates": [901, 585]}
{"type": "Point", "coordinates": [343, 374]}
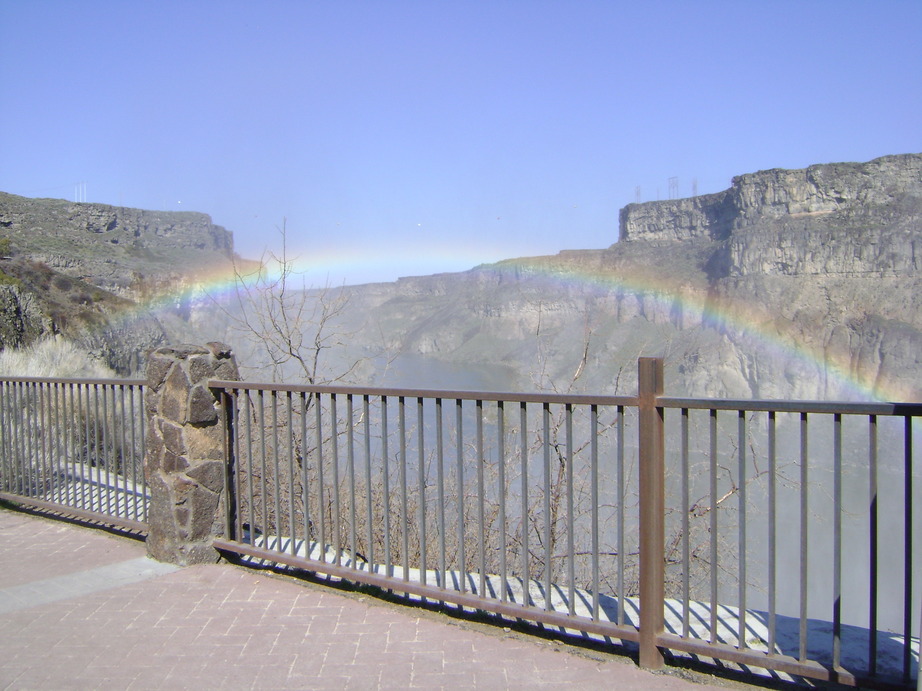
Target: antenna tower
{"type": "Point", "coordinates": [673, 187]}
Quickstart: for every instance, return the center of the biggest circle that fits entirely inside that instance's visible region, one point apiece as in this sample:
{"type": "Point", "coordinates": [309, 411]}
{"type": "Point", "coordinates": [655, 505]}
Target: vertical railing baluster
{"type": "Point", "coordinates": [741, 432]}
{"type": "Point", "coordinates": [54, 436]}
{"type": "Point", "coordinates": [712, 520]}
{"type": "Point", "coordinates": [97, 452]}
{"type": "Point", "coordinates": [276, 470]}
{"type": "Point", "coordinates": [772, 525]}
{"type": "Point", "coordinates": [106, 438]}
{"type": "Point", "coordinates": [305, 477]}
{"type": "Point", "coordinates": [26, 426]}
{"type": "Point", "coordinates": [6, 455]}
{"type": "Point", "coordinates": [123, 446]}
{"type": "Point", "coordinates": [137, 496]}
{"type": "Point", "coordinates": [336, 515]}
{"type": "Point", "coordinates": [804, 533]}
{"type": "Point", "coordinates": [501, 450]}
{"type": "Point", "coordinates": [873, 543]}
{"type": "Point", "coordinates": [369, 489]}
{"type": "Point", "coordinates": [404, 509]}
{"type": "Point", "coordinates": [236, 470]}
{"type": "Point", "coordinates": [22, 468]}
{"type": "Point", "coordinates": [321, 512]}
{"type": "Point", "coordinates": [421, 461]}
{"type": "Point", "coordinates": [142, 427]}
{"type": "Point", "coordinates": [65, 451]}
{"type": "Point", "coordinates": [459, 470]}
{"type": "Point", "coordinates": [594, 482]}
{"type": "Point", "coordinates": [907, 552]}
{"type": "Point", "coordinates": [440, 481]}
{"type": "Point", "coordinates": [290, 437]}
{"type": "Point", "coordinates": [350, 471]}
{"type": "Point", "coordinates": [523, 448]}
{"type": "Point", "coordinates": [251, 509]}
{"type": "Point", "coordinates": [42, 429]}
{"type": "Point", "coordinates": [9, 426]}
{"type": "Point", "coordinates": [67, 447]}
{"type": "Point", "coordinates": [571, 527]}
{"type": "Point", "coordinates": [547, 506]}
{"type": "Point", "coordinates": [263, 477]}
{"type": "Point", "coordinates": [621, 494]}
{"type": "Point", "coordinates": [4, 438]}
{"type": "Point", "coordinates": [231, 472]}
{"type": "Point", "coordinates": [385, 476]}
{"type": "Point", "coordinates": [83, 467]}
{"type": "Point", "coordinates": [837, 540]}
{"type": "Point", "coordinates": [686, 506]}
{"type": "Point", "coordinates": [481, 511]}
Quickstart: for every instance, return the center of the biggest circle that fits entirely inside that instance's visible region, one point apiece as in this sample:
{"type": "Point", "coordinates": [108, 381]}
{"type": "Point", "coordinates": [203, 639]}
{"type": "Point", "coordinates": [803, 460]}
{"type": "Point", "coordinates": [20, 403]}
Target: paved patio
{"type": "Point", "coordinates": [81, 608]}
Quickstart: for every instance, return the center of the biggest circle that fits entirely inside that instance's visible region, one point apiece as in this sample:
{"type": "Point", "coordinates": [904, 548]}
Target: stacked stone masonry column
{"type": "Point", "coordinates": [184, 465]}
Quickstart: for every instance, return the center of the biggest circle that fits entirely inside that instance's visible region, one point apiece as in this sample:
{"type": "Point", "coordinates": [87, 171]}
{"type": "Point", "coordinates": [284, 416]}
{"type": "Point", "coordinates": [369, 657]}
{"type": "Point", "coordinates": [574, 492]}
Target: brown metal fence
{"type": "Point", "coordinates": [777, 535]}
{"type": "Point", "coordinates": [77, 445]}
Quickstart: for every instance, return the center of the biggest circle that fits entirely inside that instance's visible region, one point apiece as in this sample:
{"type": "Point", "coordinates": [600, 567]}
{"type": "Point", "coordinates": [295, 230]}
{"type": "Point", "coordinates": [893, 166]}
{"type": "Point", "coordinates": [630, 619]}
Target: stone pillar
{"type": "Point", "coordinates": [184, 464]}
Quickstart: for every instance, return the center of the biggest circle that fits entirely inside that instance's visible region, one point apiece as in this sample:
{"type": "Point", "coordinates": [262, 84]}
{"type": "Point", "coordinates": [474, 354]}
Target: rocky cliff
{"type": "Point", "coordinates": [125, 251]}
{"type": "Point", "coordinates": [90, 271]}
{"type": "Point", "coordinates": [790, 284]}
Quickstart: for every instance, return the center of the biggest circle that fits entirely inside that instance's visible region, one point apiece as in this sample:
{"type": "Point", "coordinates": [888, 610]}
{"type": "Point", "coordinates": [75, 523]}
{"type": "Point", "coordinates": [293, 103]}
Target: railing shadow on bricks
{"type": "Point", "coordinates": [778, 535]}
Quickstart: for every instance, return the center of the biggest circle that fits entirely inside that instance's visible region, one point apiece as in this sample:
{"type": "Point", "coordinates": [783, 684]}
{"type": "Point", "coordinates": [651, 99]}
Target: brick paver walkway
{"type": "Point", "coordinates": [82, 609]}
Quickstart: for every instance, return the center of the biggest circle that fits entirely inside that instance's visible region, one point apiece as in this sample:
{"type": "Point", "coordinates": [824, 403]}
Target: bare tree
{"type": "Point", "coordinates": [290, 324]}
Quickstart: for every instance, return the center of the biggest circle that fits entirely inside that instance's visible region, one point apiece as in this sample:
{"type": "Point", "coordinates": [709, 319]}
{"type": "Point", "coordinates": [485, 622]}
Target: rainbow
{"type": "Point", "coordinates": [741, 321]}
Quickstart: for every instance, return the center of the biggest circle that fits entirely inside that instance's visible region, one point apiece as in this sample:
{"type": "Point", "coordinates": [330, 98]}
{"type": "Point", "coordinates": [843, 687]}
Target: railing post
{"type": "Point", "coordinates": [652, 509]}
{"type": "Point", "coordinates": [229, 415]}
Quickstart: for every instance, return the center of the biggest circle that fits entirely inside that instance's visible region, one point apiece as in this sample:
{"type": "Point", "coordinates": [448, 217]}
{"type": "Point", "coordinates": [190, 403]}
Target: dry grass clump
{"type": "Point", "coordinates": [52, 357]}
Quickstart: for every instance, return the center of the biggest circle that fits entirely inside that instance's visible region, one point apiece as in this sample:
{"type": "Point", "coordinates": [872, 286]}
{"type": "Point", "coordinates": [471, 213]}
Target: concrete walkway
{"type": "Point", "coordinates": [82, 609]}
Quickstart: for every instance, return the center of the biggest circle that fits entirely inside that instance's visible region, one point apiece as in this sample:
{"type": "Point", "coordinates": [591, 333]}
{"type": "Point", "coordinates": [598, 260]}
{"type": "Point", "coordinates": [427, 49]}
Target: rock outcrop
{"type": "Point", "coordinates": [93, 272]}
{"type": "Point", "coordinates": [124, 251]}
{"type": "Point", "coordinates": [755, 198]}
{"type": "Point", "coordinates": [790, 284]}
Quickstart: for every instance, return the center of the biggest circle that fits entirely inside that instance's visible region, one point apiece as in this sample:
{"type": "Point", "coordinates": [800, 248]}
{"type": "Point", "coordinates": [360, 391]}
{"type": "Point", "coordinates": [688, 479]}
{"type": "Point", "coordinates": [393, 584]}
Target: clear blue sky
{"type": "Point", "coordinates": [407, 137]}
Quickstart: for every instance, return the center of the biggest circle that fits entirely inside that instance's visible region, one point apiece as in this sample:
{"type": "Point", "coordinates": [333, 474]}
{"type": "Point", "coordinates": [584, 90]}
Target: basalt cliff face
{"type": "Point", "coordinates": [129, 252]}
{"type": "Point", "coordinates": [90, 272]}
{"type": "Point", "coordinates": [790, 284]}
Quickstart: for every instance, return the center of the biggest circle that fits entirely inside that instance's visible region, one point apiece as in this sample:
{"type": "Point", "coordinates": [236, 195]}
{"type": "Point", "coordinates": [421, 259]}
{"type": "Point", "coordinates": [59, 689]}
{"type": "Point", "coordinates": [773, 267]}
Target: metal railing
{"type": "Point", "coordinates": [76, 445]}
{"type": "Point", "coordinates": [494, 502]}
{"type": "Point", "coordinates": [777, 535]}
{"type": "Point", "coordinates": [806, 556]}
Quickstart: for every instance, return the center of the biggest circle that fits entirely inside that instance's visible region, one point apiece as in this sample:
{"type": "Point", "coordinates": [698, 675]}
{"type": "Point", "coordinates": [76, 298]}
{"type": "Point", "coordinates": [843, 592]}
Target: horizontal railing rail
{"type": "Point", "coordinates": [75, 445]}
